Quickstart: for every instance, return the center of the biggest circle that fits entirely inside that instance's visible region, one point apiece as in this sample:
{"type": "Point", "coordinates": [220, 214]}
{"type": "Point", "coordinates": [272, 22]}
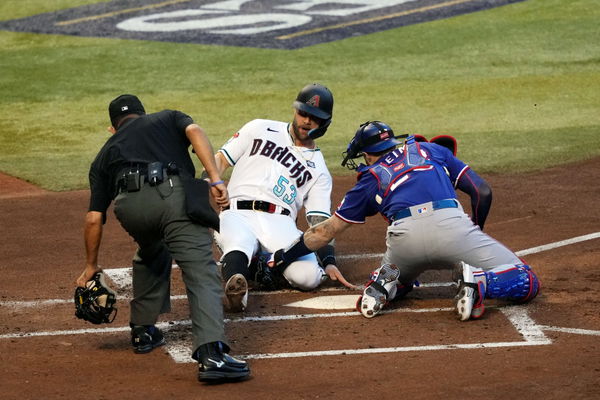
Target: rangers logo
{"type": "Point", "coordinates": [314, 101]}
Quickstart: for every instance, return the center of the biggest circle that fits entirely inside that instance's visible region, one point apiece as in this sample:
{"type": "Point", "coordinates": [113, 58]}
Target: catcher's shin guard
{"type": "Point", "coordinates": [516, 283]}
{"type": "Point", "coordinates": [381, 288]}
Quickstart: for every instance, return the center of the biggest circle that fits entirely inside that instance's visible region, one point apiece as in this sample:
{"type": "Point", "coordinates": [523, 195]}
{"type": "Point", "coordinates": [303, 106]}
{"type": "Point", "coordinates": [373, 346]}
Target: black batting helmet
{"type": "Point", "coordinates": [316, 100]}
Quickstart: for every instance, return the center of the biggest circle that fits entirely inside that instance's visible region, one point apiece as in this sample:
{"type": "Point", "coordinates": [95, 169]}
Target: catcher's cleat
{"type": "Point", "coordinates": [215, 365]}
{"type": "Point", "coordinates": [236, 293]}
{"type": "Point", "coordinates": [145, 338]}
{"type": "Point", "coordinates": [471, 292]}
{"type": "Point", "coordinates": [379, 290]}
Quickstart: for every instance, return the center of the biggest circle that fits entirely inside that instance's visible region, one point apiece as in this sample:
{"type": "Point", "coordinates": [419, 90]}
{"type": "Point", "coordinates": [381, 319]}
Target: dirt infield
{"type": "Point", "coordinates": [549, 348]}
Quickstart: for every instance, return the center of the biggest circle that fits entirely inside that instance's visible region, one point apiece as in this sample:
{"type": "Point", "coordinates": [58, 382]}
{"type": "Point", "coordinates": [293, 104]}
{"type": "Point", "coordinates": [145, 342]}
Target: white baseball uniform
{"type": "Point", "coordinates": [269, 167]}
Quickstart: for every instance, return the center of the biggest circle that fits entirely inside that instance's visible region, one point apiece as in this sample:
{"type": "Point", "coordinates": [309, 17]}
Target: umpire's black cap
{"type": "Point", "coordinates": [123, 105]}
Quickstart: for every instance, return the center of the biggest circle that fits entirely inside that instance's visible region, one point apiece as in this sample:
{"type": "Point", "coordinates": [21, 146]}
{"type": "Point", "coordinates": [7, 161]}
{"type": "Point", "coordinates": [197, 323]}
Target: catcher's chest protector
{"type": "Point", "coordinates": [392, 171]}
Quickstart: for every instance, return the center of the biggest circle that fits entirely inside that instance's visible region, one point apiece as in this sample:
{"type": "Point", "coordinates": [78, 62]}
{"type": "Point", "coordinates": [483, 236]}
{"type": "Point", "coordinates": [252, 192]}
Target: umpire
{"type": "Point", "coordinates": [143, 166]}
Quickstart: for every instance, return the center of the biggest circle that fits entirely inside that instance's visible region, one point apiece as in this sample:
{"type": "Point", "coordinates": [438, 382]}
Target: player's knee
{"type": "Point", "coordinates": [517, 283]}
{"type": "Point", "coordinates": [304, 275]}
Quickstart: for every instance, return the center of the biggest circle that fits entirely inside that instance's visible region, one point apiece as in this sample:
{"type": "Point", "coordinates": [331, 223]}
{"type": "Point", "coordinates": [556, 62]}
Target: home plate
{"type": "Point", "coordinates": [340, 302]}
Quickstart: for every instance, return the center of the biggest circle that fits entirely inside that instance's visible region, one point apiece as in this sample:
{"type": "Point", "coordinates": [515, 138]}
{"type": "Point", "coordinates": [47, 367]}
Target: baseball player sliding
{"type": "Point", "coordinates": [413, 187]}
{"type": "Point", "coordinates": [277, 169]}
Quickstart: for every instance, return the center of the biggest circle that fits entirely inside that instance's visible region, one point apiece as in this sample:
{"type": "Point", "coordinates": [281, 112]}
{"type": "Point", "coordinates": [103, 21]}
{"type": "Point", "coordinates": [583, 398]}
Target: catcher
{"type": "Point", "coordinates": [413, 187]}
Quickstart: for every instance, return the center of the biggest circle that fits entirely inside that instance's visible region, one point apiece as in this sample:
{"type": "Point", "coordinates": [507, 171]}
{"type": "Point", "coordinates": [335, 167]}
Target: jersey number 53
{"type": "Point", "coordinates": [284, 190]}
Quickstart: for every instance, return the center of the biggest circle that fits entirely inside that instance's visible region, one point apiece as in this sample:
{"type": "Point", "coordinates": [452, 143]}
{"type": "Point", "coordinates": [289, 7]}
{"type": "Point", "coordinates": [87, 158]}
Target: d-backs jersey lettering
{"type": "Point", "coordinates": [269, 167]}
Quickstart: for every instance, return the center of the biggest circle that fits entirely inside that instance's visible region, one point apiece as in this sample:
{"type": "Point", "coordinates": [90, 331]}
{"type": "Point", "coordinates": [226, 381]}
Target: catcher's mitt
{"type": "Point", "coordinates": [96, 302]}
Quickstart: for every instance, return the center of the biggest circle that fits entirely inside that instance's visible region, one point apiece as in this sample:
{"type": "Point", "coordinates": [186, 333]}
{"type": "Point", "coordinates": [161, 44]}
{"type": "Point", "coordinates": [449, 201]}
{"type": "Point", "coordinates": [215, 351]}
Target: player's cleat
{"type": "Point", "coordinates": [379, 290]}
{"type": "Point", "coordinates": [471, 292]}
{"type": "Point", "coordinates": [215, 365]}
{"type": "Point", "coordinates": [145, 338]}
{"type": "Point", "coordinates": [236, 293]}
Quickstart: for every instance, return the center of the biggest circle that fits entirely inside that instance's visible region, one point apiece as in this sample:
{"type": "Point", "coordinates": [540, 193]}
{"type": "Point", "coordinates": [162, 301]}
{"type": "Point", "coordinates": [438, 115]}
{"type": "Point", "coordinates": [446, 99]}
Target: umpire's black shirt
{"type": "Point", "coordinates": [148, 138]}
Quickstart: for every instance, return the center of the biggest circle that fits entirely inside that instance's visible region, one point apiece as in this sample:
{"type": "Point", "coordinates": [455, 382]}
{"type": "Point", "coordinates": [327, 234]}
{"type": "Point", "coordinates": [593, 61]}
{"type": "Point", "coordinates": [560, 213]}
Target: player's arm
{"type": "Point", "coordinates": [205, 153]}
{"type": "Point", "coordinates": [326, 255]}
{"type": "Point", "coordinates": [92, 236]}
{"type": "Point", "coordinates": [479, 192]}
{"type": "Point", "coordinates": [314, 238]}
{"type": "Point", "coordinates": [222, 163]}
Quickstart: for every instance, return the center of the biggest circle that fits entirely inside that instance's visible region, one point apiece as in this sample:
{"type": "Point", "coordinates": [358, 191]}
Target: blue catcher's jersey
{"type": "Point", "coordinates": [416, 173]}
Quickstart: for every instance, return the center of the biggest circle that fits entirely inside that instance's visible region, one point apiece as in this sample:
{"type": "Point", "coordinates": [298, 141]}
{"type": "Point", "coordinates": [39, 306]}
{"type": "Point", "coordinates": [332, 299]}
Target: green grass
{"type": "Point", "coordinates": [519, 86]}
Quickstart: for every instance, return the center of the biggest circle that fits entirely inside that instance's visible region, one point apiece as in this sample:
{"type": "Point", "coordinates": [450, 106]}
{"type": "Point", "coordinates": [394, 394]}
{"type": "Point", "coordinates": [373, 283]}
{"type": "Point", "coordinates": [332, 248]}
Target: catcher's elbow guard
{"type": "Point", "coordinates": [96, 302]}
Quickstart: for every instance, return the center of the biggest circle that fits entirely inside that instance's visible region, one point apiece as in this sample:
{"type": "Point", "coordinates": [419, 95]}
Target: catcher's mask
{"type": "Point", "coordinates": [316, 100]}
{"type": "Point", "coordinates": [371, 137]}
{"type": "Point", "coordinates": [96, 302]}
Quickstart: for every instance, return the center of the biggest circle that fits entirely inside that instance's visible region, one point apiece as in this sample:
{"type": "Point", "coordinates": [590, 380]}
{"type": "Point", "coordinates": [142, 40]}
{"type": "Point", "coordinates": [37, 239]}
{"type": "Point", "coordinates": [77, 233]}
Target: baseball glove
{"type": "Point", "coordinates": [96, 302]}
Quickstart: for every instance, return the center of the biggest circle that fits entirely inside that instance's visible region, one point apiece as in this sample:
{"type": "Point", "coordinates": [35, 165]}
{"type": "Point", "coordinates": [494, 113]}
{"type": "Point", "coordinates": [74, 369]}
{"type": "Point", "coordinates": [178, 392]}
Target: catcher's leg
{"type": "Point", "coordinates": [471, 291]}
{"type": "Point", "coordinates": [513, 282]}
{"type": "Point", "coordinates": [381, 288]}
{"type": "Point", "coordinates": [516, 283]}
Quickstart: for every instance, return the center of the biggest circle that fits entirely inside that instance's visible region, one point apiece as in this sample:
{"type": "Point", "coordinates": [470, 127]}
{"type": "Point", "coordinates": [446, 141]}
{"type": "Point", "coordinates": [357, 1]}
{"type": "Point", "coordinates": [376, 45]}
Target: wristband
{"type": "Point", "coordinates": [216, 183]}
{"type": "Point", "coordinates": [298, 250]}
{"type": "Point", "coordinates": [327, 255]}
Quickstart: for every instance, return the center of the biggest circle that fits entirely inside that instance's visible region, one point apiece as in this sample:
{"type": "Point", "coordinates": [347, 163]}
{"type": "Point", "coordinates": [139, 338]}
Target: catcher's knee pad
{"type": "Point", "coordinates": [514, 282]}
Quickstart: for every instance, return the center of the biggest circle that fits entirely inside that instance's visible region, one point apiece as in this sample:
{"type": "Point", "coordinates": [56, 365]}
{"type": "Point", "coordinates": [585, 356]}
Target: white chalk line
{"type": "Point", "coordinates": [517, 315]}
{"type": "Point", "coordinates": [525, 326]}
{"type": "Point", "coordinates": [258, 318]}
{"type": "Point", "coordinates": [122, 276]}
{"type": "Point", "coordinates": [570, 330]}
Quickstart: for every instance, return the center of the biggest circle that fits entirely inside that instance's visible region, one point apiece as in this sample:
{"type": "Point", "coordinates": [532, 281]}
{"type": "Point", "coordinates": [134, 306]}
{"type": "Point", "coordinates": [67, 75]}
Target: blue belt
{"type": "Point", "coordinates": [436, 205]}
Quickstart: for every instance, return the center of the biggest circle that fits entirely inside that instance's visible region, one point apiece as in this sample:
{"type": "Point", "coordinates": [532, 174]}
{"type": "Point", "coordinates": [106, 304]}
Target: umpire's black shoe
{"type": "Point", "coordinates": [216, 366]}
{"type": "Point", "coordinates": [145, 338]}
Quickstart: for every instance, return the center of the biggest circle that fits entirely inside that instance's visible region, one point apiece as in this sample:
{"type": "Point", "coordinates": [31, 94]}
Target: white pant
{"type": "Point", "coordinates": [251, 231]}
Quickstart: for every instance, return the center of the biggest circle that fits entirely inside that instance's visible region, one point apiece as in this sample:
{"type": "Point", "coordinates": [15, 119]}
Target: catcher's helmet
{"type": "Point", "coordinates": [371, 137]}
{"type": "Point", "coordinates": [316, 100]}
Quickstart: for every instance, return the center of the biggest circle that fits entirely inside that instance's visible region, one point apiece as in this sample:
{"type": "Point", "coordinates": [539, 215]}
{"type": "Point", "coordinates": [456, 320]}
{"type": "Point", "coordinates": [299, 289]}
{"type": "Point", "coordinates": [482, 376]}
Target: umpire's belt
{"type": "Point", "coordinates": [259, 205]}
{"type": "Point", "coordinates": [424, 208]}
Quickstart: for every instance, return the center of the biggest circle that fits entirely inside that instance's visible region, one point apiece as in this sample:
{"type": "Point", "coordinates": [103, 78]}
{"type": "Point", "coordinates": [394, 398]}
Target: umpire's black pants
{"type": "Point", "coordinates": [156, 219]}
